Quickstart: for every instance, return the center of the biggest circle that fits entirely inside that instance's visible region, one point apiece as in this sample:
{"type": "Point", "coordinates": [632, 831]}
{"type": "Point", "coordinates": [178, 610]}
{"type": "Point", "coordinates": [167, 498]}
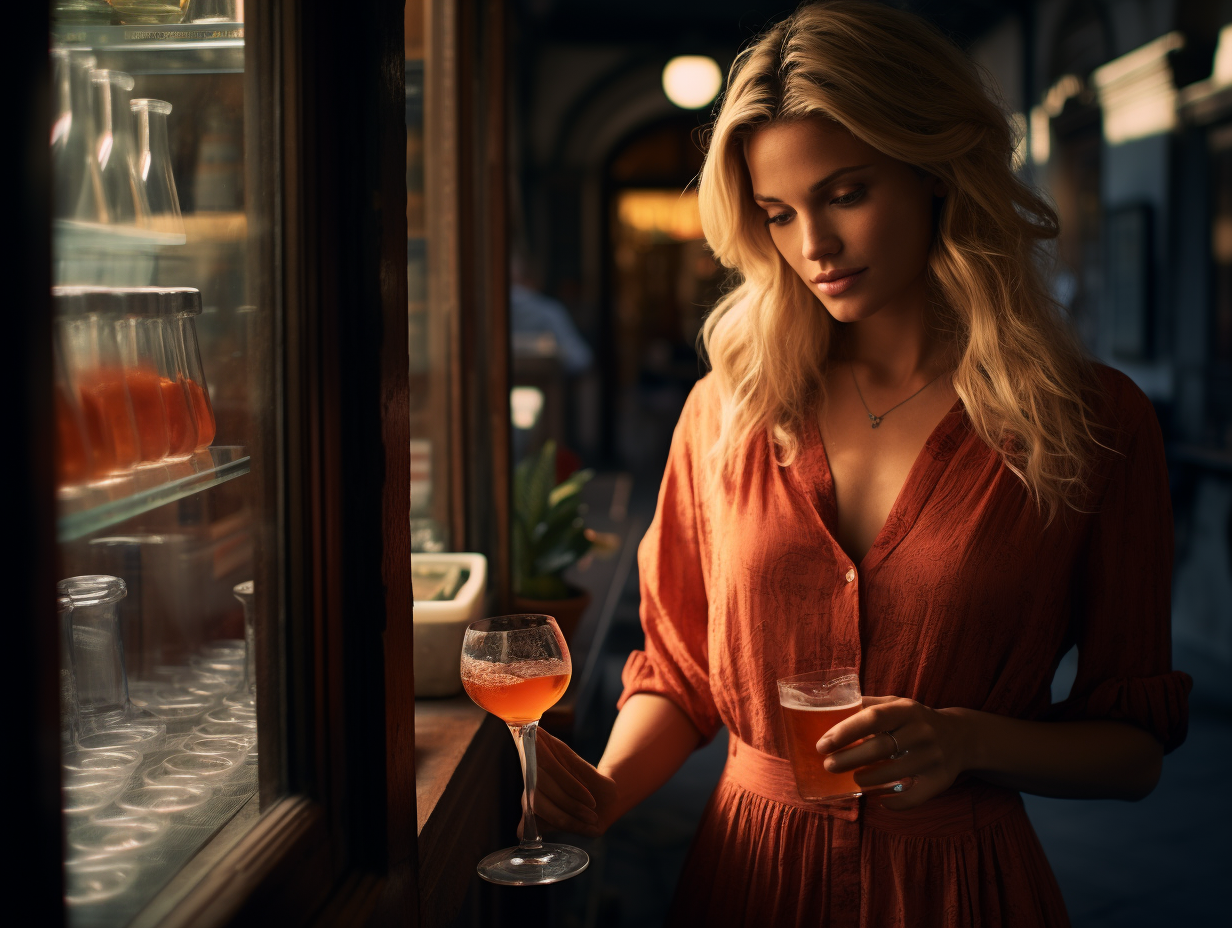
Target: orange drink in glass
{"type": "Point", "coordinates": [517, 667]}
{"type": "Point", "coordinates": [812, 704]}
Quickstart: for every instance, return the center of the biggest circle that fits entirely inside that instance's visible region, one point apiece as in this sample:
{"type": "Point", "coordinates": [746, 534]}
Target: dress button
{"type": "Point", "coordinates": [851, 574]}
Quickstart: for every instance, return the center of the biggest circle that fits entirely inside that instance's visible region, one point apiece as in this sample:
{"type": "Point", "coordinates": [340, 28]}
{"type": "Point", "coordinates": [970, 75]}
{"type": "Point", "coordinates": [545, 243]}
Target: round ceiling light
{"type": "Point", "coordinates": [692, 81]}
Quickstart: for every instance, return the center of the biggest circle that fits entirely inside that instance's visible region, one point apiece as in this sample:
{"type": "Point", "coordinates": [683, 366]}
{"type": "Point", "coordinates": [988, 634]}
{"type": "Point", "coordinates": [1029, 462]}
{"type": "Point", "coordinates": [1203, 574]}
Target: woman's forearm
{"type": "Point", "coordinates": [1070, 760]}
{"type": "Point", "coordinates": [652, 737]}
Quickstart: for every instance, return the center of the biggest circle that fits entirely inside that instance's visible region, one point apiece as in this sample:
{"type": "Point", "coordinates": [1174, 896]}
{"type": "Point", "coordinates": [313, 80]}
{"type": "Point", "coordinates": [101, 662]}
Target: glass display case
{"type": "Point", "coordinates": [225, 382]}
{"type": "Point", "coordinates": [161, 350]}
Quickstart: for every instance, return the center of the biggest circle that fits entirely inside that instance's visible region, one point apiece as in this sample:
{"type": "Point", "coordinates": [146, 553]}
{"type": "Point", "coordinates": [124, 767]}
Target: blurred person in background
{"type": "Point", "coordinates": [902, 461]}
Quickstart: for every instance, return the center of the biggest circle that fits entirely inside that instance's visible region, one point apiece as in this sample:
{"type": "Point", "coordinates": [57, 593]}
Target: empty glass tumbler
{"type": "Point", "coordinates": [97, 650]}
{"type": "Point", "coordinates": [68, 682]}
{"type": "Point", "coordinates": [115, 150]}
{"type": "Point", "coordinates": [148, 12]}
{"type": "Point", "coordinates": [81, 11]}
{"type": "Point", "coordinates": [154, 164]}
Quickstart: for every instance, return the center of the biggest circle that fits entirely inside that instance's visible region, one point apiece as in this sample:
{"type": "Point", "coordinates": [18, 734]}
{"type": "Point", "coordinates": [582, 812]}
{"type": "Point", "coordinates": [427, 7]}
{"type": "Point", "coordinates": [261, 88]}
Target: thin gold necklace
{"type": "Point", "coordinates": [875, 419]}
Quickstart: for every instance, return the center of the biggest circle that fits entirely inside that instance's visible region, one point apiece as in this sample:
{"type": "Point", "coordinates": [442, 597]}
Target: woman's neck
{"type": "Point", "coordinates": [898, 345]}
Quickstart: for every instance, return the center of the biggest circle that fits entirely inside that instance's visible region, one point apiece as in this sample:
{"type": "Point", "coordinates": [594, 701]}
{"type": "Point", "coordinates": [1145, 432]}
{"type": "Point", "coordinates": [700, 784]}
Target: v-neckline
{"type": "Point", "coordinates": [813, 478]}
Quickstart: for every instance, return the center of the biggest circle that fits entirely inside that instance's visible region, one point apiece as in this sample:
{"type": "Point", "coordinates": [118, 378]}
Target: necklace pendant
{"type": "Point", "coordinates": [876, 420]}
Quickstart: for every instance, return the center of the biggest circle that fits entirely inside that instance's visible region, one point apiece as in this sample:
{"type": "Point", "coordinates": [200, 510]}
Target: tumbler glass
{"type": "Point", "coordinates": [85, 319]}
{"type": "Point", "coordinates": [154, 164]}
{"type": "Point", "coordinates": [98, 665]}
{"type": "Point", "coordinates": [114, 149]}
{"type": "Point", "coordinates": [812, 704]}
{"type": "Point", "coordinates": [68, 682]}
{"type": "Point", "coordinates": [139, 335]}
{"type": "Point", "coordinates": [148, 12]}
{"type": "Point", "coordinates": [81, 11]}
{"type": "Point", "coordinates": [98, 653]}
{"type": "Point", "coordinates": [214, 11]}
{"type": "Point", "coordinates": [77, 187]}
{"type": "Point", "coordinates": [244, 592]}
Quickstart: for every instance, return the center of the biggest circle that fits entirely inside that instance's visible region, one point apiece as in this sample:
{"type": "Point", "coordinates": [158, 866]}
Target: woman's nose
{"type": "Point", "coordinates": [819, 242]}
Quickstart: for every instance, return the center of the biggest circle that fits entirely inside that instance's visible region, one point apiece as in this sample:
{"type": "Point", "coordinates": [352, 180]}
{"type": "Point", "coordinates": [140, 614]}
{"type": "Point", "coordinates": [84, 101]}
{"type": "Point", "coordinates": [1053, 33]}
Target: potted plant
{"type": "Point", "coordinates": [548, 537]}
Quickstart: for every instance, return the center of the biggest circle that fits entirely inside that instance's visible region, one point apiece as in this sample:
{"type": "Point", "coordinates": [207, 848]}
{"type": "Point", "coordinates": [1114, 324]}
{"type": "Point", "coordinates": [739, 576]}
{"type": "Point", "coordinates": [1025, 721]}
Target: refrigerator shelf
{"type": "Point", "coordinates": [188, 48]}
{"type": "Point", "coordinates": [91, 508]}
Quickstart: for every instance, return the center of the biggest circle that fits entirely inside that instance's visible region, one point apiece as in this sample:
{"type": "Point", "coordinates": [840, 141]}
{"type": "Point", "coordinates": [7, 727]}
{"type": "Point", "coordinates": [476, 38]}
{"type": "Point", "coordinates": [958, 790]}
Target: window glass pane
{"type": "Point", "coordinates": [429, 315]}
{"type": "Point", "coordinates": [164, 412]}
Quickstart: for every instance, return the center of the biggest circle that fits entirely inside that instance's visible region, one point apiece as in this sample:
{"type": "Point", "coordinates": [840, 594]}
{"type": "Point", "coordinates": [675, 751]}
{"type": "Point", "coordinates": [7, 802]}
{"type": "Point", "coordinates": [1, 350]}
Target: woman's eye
{"type": "Point", "coordinates": [778, 219]}
{"type": "Point", "coordinates": [848, 198]}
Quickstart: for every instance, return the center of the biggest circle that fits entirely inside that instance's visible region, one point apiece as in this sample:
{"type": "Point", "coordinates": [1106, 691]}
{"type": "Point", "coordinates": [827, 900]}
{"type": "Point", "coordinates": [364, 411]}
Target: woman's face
{"type": "Point", "coordinates": [855, 224]}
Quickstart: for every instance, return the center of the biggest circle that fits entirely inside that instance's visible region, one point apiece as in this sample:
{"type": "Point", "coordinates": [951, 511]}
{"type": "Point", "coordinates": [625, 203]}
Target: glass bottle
{"type": "Point", "coordinates": [147, 12]}
{"type": "Point", "coordinates": [77, 191]}
{"type": "Point", "coordinates": [85, 322]}
{"type": "Point", "coordinates": [73, 458]}
{"type": "Point", "coordinates": [114, 149]}
{"type": "Point", "coordinates": [140, 343]}
{"type": "Point", "coordinates": [154, 164]}
{"type": "Point", "coordinates": [184, 305]}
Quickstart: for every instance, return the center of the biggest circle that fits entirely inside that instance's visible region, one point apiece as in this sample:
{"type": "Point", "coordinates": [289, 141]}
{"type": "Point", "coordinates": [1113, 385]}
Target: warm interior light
{"type": "Point", "coordinates": [692, 81]}
{"type": "Point", "coordinates": [525, 403]}
{"type": "Point", "coordinates": [670, 214]}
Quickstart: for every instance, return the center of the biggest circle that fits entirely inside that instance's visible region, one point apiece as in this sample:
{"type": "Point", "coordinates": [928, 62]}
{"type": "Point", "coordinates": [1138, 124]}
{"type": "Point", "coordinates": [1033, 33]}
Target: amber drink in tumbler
{"type": "Point", "coordinates": [812, 704]}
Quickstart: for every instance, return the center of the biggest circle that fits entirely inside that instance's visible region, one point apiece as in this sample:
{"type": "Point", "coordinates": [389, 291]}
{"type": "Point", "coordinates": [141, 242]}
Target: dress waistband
{"type": "Point", "coordinates": [965, 807]}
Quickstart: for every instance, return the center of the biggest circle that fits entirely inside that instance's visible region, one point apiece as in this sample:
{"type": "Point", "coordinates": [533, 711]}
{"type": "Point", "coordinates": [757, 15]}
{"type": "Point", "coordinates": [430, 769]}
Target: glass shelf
{"type": "Point", "coordinates": [91, 508]}
{"type": "Point", "coordinates": [189, 48]}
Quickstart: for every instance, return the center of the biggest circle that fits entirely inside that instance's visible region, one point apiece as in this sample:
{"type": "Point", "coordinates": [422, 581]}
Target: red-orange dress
{"type": "Point", "coordinates": [967, 598]}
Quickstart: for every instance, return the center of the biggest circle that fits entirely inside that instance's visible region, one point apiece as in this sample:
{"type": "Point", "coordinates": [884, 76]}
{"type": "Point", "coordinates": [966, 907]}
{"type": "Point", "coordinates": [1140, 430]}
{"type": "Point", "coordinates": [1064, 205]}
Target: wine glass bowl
{"type": "Point", "coordinates": [517, 667]}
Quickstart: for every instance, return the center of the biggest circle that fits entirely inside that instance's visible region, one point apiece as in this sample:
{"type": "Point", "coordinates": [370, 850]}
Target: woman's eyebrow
{"type": "Point", "coordinates": [825, 181]}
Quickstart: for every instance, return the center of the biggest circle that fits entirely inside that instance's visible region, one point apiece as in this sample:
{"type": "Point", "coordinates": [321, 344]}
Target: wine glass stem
{"type": "Point", "coordinates": [524, 738]}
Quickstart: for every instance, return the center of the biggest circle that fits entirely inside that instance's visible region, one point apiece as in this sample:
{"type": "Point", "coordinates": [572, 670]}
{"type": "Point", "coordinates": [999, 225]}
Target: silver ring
{"type": "Point", "coordinates": [898, 752]}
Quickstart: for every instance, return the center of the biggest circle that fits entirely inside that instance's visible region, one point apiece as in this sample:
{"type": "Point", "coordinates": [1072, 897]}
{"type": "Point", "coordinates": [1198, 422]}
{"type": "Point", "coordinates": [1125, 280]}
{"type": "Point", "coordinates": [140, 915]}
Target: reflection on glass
{"type": "Point", "coordinates": [158, 516]}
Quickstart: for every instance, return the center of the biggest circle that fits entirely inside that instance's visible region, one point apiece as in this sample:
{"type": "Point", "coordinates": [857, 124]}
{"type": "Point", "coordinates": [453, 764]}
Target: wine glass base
{"type": "Point", "coordinates": [518, 866]}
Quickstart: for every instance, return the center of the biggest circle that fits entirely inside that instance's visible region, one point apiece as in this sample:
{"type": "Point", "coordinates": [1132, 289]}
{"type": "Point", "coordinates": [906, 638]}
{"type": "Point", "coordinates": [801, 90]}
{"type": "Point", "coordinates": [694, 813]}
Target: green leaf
{"type": "Point", "coordinates": [570, 485]}
{"type": "Point", "coordinates": [540, 483]}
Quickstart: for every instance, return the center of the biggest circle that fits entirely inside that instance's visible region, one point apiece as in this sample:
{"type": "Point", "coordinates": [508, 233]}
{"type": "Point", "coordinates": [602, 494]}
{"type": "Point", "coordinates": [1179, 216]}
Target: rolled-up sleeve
{"type": "Point", "coordinates": [1125, 594]}
{"type": "Point", "coordinates": [675, 662]}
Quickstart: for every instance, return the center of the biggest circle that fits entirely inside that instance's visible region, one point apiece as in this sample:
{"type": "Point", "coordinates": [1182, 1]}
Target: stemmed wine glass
{"type": "Point", "coordinates": [517, 667]}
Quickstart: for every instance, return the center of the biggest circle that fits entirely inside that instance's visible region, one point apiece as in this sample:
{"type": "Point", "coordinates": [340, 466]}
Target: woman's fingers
{"type": "Point", "coordinates": [880, 713]}
{"type": "Point", "coordinates": [552, 816]}
{"type": "Point", "coordinates": [877, 748]}
{"type": "Point", "coordinates": [569, 771]}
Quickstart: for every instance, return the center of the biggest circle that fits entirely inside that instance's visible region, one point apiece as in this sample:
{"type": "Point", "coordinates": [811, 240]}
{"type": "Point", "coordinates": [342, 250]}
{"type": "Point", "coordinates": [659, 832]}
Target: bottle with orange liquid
{"type": "Point", "coordinates": [139, 337]}
{"type": "Point", "coordinates": [86, 333]}
{"type": "Point", "coordinates": [182, 305]}
{"type": "Point", "coordinates": [517, 667]}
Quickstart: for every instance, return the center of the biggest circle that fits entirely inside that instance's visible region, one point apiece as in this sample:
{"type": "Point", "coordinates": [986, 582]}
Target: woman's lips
{"type": "Point", "coordinates": [836, 282]}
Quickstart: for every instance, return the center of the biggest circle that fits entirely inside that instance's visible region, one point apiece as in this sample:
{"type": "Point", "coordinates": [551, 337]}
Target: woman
{"type": "Point", "coordinates": [903, 461]}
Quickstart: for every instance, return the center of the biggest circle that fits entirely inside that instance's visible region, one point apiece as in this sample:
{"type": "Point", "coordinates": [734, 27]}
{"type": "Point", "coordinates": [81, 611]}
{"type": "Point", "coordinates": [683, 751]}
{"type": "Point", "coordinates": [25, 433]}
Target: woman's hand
{"type": "Point", "coordinates": [925, 749]}
{"type": "Point", "coordinates": [570, 794]}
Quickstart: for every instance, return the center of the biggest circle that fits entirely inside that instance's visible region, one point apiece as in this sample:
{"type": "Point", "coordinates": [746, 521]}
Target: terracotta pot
{"type": "Point", "coordinates": [566, 612]}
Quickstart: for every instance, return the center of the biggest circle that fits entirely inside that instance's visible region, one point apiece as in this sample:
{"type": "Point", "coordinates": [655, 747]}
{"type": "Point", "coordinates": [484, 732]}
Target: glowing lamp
{"type": "Point", "coordinates": [692, 81]}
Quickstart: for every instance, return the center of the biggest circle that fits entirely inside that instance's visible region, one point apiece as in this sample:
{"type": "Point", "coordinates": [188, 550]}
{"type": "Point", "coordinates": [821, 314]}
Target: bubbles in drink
{"type": "Point", "coordinates": [517, 692]}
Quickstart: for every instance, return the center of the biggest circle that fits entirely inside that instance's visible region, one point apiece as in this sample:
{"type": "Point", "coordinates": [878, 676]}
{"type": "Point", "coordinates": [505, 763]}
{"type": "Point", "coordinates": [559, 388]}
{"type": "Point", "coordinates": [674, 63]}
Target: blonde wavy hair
{"type": "Point", "coordinates": [898, 84]}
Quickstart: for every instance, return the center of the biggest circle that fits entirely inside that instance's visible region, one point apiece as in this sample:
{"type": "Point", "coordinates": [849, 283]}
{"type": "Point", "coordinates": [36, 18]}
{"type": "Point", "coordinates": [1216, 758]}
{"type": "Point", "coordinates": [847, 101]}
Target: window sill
{"type": "Point", "coordinates": [457, 796]}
